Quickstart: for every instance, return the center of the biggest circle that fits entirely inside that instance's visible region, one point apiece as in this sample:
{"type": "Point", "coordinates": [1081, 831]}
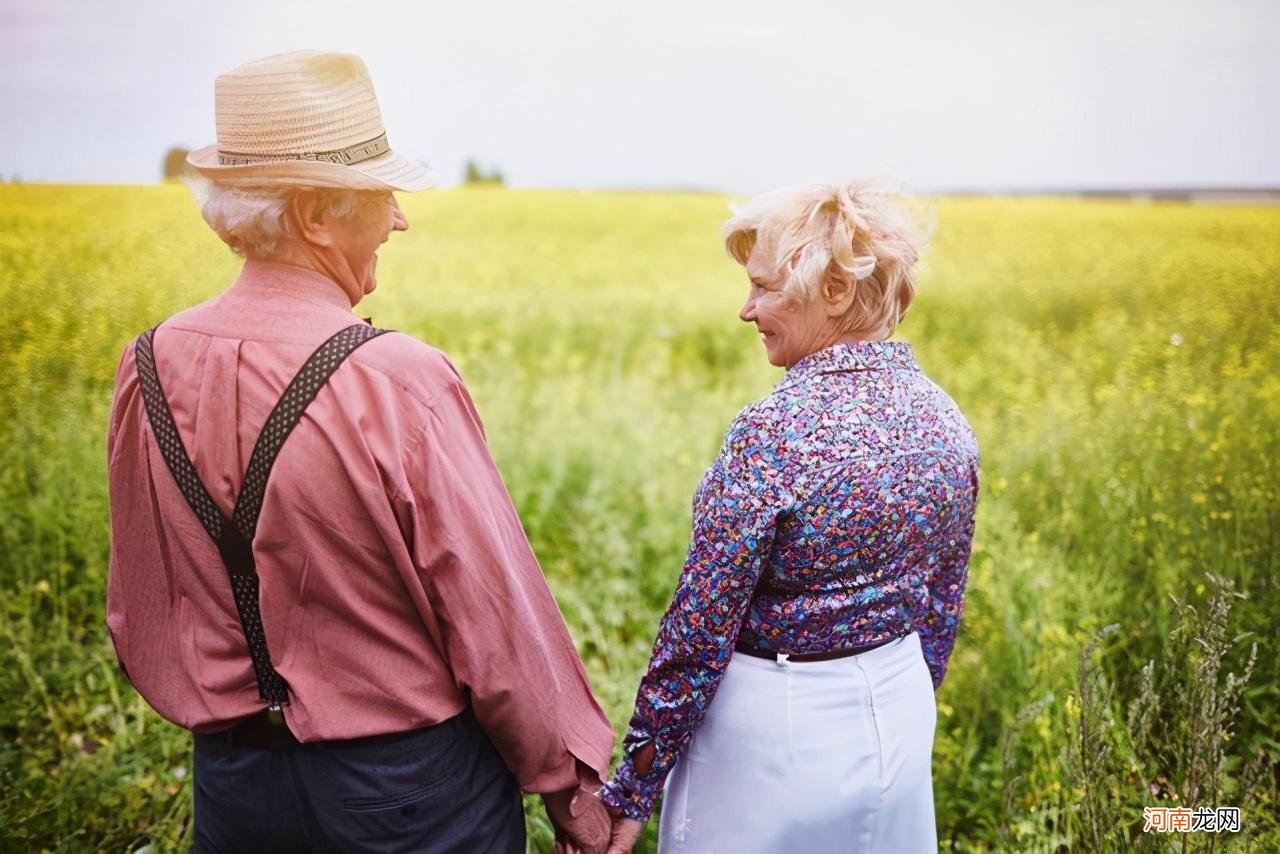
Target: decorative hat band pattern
{"type": "Point", "coordinates": [357, 153]}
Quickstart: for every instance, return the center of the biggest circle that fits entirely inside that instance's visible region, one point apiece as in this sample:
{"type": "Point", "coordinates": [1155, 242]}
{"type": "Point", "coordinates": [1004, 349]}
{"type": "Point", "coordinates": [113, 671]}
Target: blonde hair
{"type": "Point", "coordinates": [250, 218]}
{"type": "Point", "coordinates": [859, 230]}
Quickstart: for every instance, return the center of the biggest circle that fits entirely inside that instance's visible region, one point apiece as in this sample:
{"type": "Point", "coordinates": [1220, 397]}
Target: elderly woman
{"type": "Point", "coordinates": [788, 704]}
{"type": "Point", "coordinates": [313, 555]}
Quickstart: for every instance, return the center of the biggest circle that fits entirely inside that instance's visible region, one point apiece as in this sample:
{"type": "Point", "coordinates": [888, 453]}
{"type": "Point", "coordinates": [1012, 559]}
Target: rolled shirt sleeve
{"type": "Point", "coordinates": [495, 620]}
{"type": "Point", "coordinates": [735, 512]}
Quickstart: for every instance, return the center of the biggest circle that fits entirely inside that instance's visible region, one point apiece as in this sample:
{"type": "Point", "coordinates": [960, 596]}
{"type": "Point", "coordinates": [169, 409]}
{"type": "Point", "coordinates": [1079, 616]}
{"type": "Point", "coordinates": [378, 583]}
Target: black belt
{"type": "Point", "coordinates": [809, 656]}
{"type": "Point", "coordinates": [260, 731]}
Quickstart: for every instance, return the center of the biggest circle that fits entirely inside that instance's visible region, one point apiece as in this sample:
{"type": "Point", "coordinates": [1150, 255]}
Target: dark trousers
{"type": "Point", "coordinates": [439, 789]}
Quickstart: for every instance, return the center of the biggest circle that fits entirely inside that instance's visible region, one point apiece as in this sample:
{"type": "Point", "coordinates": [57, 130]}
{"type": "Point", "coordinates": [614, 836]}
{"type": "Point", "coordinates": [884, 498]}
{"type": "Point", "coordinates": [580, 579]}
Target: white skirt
{"type": "Point", "coordinates": [828, 756]}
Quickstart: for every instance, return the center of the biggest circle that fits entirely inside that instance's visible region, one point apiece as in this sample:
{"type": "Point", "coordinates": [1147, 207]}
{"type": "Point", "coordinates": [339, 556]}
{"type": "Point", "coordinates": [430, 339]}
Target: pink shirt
{"type": "Point", "coordinates": [397, 584]}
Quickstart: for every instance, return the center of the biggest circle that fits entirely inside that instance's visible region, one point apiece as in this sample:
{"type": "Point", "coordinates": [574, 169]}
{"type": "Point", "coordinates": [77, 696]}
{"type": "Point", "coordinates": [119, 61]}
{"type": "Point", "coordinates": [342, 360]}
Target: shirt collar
{"type": "Point", "coordinates": [852, 356]}
{"type": "Point", "coordinates": [288, 280]}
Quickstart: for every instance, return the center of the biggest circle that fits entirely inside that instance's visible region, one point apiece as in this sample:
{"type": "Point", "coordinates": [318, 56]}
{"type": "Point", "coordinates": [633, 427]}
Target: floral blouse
{"type": "Point", "coordinates": [839, 513]}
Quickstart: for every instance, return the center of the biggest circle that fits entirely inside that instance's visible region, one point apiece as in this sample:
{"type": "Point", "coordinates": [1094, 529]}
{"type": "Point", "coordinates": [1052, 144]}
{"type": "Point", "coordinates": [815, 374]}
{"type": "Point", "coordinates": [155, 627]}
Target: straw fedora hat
{"type": "Point", "coordinates": [307, 118]}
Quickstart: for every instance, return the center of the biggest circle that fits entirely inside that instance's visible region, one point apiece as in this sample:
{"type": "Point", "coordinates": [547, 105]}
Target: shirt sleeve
{"type": "Point", "coordinates": [946, 583]}
{"type": "Point", "coordinates": [495, 620]}
{"type": "Point", "coordinates": [124, 397]}
{"type": "Point", "coordinates": [117, 409]}
{"type": "Point", "coordinates": [734, 517]}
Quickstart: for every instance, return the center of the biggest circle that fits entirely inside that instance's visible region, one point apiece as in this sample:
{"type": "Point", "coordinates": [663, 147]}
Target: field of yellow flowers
{"type": "Point", "coordinates": [1119, 361]}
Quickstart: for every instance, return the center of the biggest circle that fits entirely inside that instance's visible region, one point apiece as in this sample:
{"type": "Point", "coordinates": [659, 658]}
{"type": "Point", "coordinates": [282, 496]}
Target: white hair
{"type": "Point", "coordinates": [857, 230]}
{"type": "Point", "coordinates": [250, 218]}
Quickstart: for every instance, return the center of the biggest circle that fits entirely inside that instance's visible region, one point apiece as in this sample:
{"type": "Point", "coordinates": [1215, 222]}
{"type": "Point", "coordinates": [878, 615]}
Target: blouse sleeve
{"type": "Point", "coordinates": [734, 515]}
{"type": "Point", "coordinates": [946, 582]}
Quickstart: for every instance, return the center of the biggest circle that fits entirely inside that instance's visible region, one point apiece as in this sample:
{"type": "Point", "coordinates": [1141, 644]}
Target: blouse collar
{"type": "Point", "coordinates": [852, 356]}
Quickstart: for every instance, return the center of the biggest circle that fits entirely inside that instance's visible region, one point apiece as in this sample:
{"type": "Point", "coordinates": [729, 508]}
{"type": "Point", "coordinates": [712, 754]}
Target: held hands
{"type": "Point", "coordinates": [584, 825]}
{"type": "Point", "coordinates": [625, 832]}
{"type": "Point", "coordinates": [581, 823]}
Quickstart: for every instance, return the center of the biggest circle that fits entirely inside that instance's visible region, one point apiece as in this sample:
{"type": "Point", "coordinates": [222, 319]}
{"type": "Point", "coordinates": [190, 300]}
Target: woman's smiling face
{"type": "Point", "coordinates": [791, 326]}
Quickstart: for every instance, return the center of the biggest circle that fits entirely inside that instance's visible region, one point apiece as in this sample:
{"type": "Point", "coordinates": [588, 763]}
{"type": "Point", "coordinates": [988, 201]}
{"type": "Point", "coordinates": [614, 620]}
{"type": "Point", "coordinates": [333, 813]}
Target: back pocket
{"type": "Point", "coordinates": [401, 771]}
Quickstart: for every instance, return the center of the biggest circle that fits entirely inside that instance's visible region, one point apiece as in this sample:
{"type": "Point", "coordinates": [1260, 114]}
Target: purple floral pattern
{"type": "Point", "coordinates": [838, 513]}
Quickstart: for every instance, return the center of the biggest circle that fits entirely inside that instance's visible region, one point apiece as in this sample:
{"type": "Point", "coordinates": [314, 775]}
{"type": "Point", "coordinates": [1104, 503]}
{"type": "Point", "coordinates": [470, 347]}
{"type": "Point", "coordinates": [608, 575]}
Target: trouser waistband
{"type": "Point", "coordinates": [260, 732]}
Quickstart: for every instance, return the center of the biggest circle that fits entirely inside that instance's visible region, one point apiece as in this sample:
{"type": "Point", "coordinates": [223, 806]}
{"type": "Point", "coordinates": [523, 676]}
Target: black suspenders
{"type": "Point", "coordinates": [234, 536]}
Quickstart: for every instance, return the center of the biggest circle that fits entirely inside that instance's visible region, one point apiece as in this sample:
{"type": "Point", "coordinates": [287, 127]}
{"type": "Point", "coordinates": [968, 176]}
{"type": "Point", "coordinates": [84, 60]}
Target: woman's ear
{"type": "Point", "coordinates": [837, 292]}
{"type": "Point", "coordinates": [308, 218]}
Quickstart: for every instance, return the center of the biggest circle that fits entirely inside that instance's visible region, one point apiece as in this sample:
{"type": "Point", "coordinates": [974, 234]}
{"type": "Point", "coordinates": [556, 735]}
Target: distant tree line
{"type": "Point", "coordinates": [474, 174]}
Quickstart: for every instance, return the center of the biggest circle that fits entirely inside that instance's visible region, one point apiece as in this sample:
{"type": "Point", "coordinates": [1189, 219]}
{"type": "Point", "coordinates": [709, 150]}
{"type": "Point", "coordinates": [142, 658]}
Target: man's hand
{"type": "Point", "coordinates": [580, 820]}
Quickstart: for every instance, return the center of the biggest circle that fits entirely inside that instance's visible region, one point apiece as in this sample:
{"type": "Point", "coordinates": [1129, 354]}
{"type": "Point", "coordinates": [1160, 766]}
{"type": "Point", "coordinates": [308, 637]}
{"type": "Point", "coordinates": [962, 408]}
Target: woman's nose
{"type": "Point", "coordinates": [747, 314]}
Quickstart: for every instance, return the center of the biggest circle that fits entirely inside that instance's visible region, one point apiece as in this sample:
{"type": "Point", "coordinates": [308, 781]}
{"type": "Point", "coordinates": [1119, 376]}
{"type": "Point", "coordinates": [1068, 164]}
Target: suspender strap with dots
{"type": "Point", "coordinates": [234, 536]}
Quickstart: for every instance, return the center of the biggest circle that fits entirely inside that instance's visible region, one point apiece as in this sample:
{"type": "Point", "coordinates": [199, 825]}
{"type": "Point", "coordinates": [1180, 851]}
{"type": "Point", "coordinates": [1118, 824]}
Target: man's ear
{"type": "Point", "coordinates": [309, 218]}
{"type": "Point", "coordinates": [836, 292]}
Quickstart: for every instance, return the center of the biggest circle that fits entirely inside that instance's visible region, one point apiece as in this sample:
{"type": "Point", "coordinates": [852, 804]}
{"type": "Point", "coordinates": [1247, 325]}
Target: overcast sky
{"type": "Point", "coordinates": [738, 96]}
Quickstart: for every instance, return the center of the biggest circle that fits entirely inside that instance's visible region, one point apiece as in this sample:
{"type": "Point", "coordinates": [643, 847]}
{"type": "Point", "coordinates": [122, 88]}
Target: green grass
{"type": "Point", "coordinates": [1119, 362]}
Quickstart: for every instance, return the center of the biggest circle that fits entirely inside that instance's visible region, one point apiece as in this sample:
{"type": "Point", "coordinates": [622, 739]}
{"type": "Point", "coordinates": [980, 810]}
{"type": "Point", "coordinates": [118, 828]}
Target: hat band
{"type": "Point", "coordinates": [345, 156]}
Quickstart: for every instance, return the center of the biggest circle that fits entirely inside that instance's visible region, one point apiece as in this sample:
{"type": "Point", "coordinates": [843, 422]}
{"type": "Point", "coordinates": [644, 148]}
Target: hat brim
{"type": "Point", "coordinates": [388, 171]}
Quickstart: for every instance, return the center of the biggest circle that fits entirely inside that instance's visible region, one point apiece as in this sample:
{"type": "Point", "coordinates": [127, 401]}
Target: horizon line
{"type": "Point", "coordinates": [1152, 191]}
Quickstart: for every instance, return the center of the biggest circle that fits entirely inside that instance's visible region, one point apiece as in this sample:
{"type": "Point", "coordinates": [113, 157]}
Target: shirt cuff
{"type": "Point", "coordinates": [631, 794]}
{"type": "Point", "coordinates": [583, 759]}
{"type": "Point", "coordinates": [575, 772]}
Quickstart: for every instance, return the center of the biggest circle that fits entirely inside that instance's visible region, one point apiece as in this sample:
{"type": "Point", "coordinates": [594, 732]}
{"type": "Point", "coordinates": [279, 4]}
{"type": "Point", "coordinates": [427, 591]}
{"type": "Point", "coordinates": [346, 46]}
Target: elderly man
{"type": "Point", "coordinates": [315, 566]}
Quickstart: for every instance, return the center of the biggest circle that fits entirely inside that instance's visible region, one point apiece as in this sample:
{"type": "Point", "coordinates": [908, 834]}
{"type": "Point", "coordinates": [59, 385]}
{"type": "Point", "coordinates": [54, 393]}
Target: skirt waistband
{"type": "Point", "coordinates": [906, 647]}
{"type": "Point", "coordinates": [832, 655]}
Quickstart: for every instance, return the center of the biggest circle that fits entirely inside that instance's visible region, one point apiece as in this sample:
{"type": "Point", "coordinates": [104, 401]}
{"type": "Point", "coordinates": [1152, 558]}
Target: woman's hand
{"type": "Point", "coordinates": [624, 834]}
